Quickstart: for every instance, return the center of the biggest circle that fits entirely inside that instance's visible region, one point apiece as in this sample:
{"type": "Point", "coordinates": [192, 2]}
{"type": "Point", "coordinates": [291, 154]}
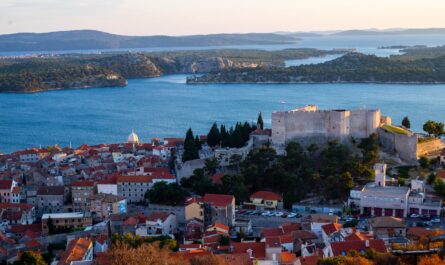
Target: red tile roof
{"type": "Point", "coordinates": [75, 250]}
{"type": "Point", "coordinates": [51, 190]}
{"type": "Point", "coordinates": [266, 195]}
{"type": "Point", "coordinates": [154, 216]}
{"type": "Point", "coordinates": [19, 229]}
{"type": "Point", "coordinates": [83, 183]}
{"type": "Point", "coordinates": [193, 199]}
{"type": "Point", "coordinates": [311, 260]}
{"type": "Point", "coordinates": [258, 248]}
{"type": "Point", "coordinates": [217, 178]}
{"type": "Point", "coordinates": [340, 248]}
{"type": "Point", "coordinates": [10, 205]}
{"type": "Point", "coordinates": [134, 179]}
{"type": "Point", "coordinates": [5, 184]}
{"type": "Point", "coordinates": [218, 200]}
{"type": "Point", "coordinates": [331, 228]}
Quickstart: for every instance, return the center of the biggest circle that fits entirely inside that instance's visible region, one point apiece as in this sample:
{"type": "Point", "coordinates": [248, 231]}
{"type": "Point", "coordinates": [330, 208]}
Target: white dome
{"type": "Point", "coordinates": [133, 138]}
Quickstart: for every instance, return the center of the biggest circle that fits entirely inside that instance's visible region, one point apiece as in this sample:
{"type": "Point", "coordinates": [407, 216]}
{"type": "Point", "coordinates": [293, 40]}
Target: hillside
{"type": "Point", "coordinates": [90, 40]}
{"type": "Point", "coordinates": [438, 31]}
{"type": "Point", "coordinates": [101, 70]}
{"type": "Point", "coordinates": [350, 68]}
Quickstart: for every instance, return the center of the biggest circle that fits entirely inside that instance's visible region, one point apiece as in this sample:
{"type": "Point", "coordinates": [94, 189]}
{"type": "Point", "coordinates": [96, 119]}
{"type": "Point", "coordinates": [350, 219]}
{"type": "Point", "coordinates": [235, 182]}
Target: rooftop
{"type": "Point", "coordinates": [63, 215]}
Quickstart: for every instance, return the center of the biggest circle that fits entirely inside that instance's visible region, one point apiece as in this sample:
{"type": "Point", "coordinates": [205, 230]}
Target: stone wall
{"type": "Point", "coordinates": [184, 170]}
{"type": "Point", "coordinates": [428, 147]}
{"type": "Point", "coordinates": [405, 146]}
{"type": "Point", "coordinates": [318, 126]}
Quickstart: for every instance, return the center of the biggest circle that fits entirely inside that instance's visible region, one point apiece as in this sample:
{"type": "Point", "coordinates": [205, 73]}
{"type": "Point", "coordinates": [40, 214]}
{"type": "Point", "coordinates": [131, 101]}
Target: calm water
{"type": "Point", "coordinates": [167, 107]}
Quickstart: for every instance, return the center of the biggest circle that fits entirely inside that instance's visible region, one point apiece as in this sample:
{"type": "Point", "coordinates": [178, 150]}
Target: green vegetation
{"type": "Point", "coordinates": [169, 194]}
{"type": "Point", "coordinates": [352, 67]}
{"type": "Point", "coordinates": [135, 241]}
{"type": "Point", "coordinates": [328, 171]}
{"type": "Point", "coordinates": [260, 122]}
{"type": "Point", "coordinates": [112, 69]}
{"type": "Point", "coordinates": [30, 258]}
{"type": "Point", "coordinates": [395, 129]}
{"type": "Point", "coordinates": [233, 137]}
{"type": "Point", "coordinates": [406, 122]}
{"type": "Point", "coordinates": [434, 128]}
{"type": "Point", "coordinates": [191, 147]}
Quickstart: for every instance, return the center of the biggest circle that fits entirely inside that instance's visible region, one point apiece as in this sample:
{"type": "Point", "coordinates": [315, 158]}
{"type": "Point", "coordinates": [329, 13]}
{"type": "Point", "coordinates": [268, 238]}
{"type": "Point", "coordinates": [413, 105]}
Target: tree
{"type": "Point", "coordinates": [169, 194]}
{"type": "Point", "coordinates": [433, 259]}
{"type": "Point", "coordinates": [208, 260]}
{"type": "Point", "coordinates": [424, 162]}
{"type": "Point", "coordinates": [30, 258]}
{"type": "Point", "coordinates": [439, 187]}
{"type": "Point", "coordinates": [211, 164]}
{"type": "Point", "coordinates": [191, 150]}
{"type": "Point", "coordinates": [260, 122]}
{"type": "Point", "coordinates": [431, 178]}
{"type": "Point", "coordinates": [406, 122]}
{"type": "Point", "coordinates": [214, 136]}
{"type": "Point", "coordinates": [434, 128]}
{"type": "Point", "coordinates": [50, 225]}
{"type": "Point", "coordinates": [146, 254]}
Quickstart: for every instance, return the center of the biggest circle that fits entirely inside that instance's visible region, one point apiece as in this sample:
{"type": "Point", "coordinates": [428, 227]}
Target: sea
{"type": "Point", "coordinates": [167, 107]}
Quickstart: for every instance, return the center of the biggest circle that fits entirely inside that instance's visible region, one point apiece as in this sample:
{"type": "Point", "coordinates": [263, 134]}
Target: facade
{"type": "Point", "coordinates": [219, 208]}
{"type": "Point", "coordinates": [50, 199]}
{"type": "Point", "coordinates": [6, 190]}
{"type": "Point", "coordinates": [158, 224]}
{"type": "Point", "coordinates": [379, 199]}
{"type": "Point", "coordinates": [66, 220]}
{"type": "Point", "coordinates": [103, 205]}
{"type": "Point", "coordinates": [107, 187]}
{"type": "Point", "coordinates": [313, 125]}
{"type": "Point", "coordinates": [194, 209]}
{"type": "Point", "coordinates": [80, 192]}
{"type": "Point", "coordinates": [17, 213]}
{"type": "Point", "coordinates": [133, 188]}
{"type": "Point", "coordinates": [268, 200]}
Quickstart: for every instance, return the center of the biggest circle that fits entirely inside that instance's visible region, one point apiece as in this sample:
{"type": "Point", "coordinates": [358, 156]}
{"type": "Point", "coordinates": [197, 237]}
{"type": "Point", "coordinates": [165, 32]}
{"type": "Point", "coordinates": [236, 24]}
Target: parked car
{"type": "Point", "coordinates": [414, 215]}
{"type": "Point", "coordinates": [435, 220]}
{"type": "Point", "coordinates": [425, 217]}
{"type": "Point", "coordinates": [292, 215]}
{"type": "Point", "coordinates": [279, 214]}
{"type": "Point", "coordinates": [266, 213]}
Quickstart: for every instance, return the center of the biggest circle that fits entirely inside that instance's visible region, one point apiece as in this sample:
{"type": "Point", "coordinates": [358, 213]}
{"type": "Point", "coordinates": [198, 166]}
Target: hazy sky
{"type": "Point", "coordinates": [183, 17]}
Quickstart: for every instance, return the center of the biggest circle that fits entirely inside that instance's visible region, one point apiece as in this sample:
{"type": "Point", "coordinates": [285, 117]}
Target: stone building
{"type": "Point", "coordinates": [50, 199]}
{"type": "Point", "coordinates": [81, 190]}
{"type": "Point", "coordinates": [66, 220]}
{"type": "Point", "coordinates": [103, 205]}
{"type": "Point", "coordinates": [317, 126]}
{"type": "Point", "coordinates": [219, 208]}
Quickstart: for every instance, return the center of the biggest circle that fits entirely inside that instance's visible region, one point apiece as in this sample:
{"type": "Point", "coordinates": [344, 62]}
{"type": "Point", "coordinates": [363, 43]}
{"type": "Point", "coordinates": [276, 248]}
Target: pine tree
{"type": "Point", "coordinates": [190, 147]}
{"type": "Point", "coordinates": [406, 123]}
{"type": "Point", "coordinates": [214, 136]}
{"type": "Point", "coordinates": [260, 122]}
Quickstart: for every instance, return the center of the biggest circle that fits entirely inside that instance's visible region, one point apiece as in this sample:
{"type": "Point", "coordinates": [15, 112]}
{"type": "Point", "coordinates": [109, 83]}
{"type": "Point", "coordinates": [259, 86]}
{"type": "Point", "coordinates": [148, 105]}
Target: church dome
{"type": "Point", "coordinates": [133, 138]}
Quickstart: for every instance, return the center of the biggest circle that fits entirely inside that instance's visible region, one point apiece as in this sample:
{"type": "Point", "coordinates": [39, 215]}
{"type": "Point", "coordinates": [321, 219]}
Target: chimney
{"type": "Point", "coordinates": [250, 253]}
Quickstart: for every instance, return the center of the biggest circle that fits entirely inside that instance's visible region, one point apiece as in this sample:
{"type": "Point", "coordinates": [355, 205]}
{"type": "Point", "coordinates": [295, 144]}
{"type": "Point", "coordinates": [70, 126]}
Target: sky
{"type": "Point", "coordinates": [186, 17]}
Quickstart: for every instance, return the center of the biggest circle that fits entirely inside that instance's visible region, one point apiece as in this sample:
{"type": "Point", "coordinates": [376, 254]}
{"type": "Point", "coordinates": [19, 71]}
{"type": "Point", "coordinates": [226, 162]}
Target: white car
{"type": "Point", "coordinates": [292, 215]}
{"type": "Point", "coordinates": [435, 220]}
{"type": "Point", "coordinates": [266, 213]}
{"type": "Point", "coordinates": [414, 215]}
{"type": "Point", "coordinates": [279, 214]}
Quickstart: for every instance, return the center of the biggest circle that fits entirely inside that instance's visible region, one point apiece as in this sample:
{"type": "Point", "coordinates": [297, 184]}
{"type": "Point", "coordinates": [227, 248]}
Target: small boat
{"type": "Point", "coordinates": [283, 102]}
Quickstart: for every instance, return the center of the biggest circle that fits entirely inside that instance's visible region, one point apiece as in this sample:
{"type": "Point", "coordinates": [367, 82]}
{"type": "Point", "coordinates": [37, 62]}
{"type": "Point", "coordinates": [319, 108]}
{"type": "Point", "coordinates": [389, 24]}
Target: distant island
{"type": "Point", "coordinates": [350, 68]}
{"type": "Point", "coordinates": [41, 73]}
{"type": "Point", "coordinates": [94, 40]}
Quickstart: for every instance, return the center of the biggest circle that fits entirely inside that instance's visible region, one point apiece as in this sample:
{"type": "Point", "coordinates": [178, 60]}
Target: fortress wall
{"type": "Point", "coordinates": [426, 148]}
{"type": "Point", "coordinates": [278, 128]}
{"type": "Point", "coordinates": [364, 122]}
{"type": "Point", "coordinates": [403, 145]}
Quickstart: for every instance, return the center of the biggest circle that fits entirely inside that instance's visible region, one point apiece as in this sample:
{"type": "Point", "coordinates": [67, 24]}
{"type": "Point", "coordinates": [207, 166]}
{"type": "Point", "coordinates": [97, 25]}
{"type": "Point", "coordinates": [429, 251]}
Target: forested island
{"type": "Point", "coordinates": [34, 74]}
{"type": "Point", "coordinates": [350, 68]}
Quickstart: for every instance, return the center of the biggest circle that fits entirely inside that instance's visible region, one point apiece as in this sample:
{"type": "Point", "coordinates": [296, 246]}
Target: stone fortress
{"type": "Point", "coordinates": [310, 125]}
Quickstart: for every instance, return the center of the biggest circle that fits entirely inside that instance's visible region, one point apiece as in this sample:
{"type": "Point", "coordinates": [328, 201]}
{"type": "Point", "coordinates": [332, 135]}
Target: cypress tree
{"type": "Point", "coordinates": [406, 122]}
{"type": "Point", "coordinates": [214, 136]}
{"type": "Point", "coordinates": [190, 147]}
{"type": "Point", "coordinates": [224, 136]}
{"type": "Point", "coordinates": [260, 122]}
